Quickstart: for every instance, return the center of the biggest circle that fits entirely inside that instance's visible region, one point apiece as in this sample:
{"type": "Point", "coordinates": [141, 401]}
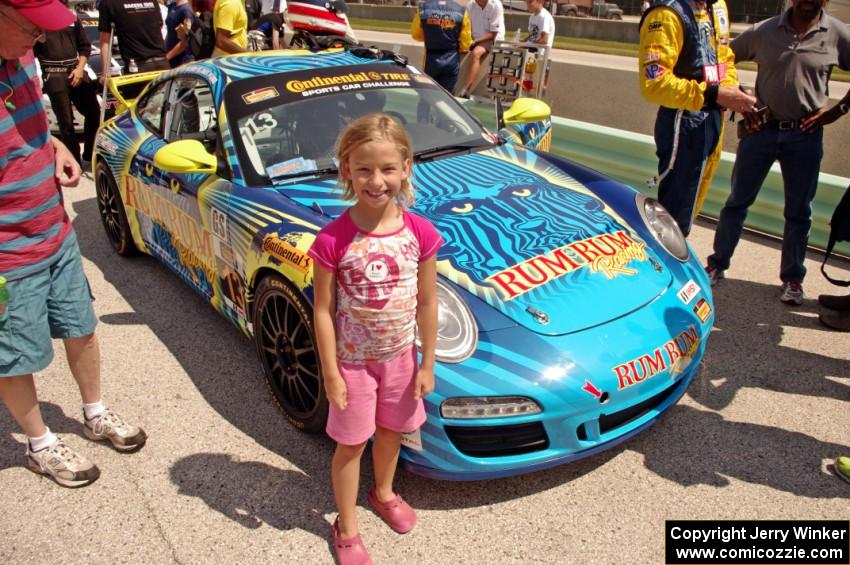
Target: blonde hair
{"type": "Point", "coordinates": [368, 129]}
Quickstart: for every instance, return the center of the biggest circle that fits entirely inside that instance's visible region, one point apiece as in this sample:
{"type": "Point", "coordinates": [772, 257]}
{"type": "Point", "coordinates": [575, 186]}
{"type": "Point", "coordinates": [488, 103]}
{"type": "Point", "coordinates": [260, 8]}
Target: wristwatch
{"type": "Point", "coordinates": [843, 107]}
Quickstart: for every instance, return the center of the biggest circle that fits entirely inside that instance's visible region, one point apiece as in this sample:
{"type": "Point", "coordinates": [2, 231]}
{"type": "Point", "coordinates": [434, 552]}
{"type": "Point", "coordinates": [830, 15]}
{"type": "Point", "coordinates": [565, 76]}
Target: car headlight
{"type": "Point", "coordinates": [457, 332]}
{"type": "Point", "coordinates": [663, 227]}
{"type": "Point", "coordinates": [488, 407]}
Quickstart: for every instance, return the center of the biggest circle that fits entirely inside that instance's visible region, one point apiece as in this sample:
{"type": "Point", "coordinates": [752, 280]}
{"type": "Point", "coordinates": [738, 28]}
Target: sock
{"type": "Point", "coordinates": [39, 443]}
{"type": "Point", "coordinates": [93, 409]}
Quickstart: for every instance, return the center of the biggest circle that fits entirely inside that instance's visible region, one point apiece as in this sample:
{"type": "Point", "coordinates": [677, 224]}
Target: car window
{"type": "Point", "coordinates": [285, 133]}
{"type": "Point", "coordinates": [150, 107]}
{"type": "Point", "coordinates": [191, 111]}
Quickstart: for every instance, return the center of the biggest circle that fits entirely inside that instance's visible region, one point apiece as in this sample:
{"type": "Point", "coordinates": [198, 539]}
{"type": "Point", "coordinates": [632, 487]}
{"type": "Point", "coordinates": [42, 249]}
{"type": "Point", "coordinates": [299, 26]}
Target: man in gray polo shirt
{"type": "Point", "coordinates": [795, 53]}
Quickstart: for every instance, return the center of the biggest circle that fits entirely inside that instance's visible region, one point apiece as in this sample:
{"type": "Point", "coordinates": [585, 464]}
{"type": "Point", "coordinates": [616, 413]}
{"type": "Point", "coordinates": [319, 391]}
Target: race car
{"type": "Point", "coordinates": [572, 313]}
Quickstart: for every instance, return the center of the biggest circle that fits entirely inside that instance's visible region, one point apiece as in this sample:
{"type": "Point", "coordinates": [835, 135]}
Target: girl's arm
{"type": "Point", "coordinates": [426, 318]}
{"type": "Point", "coordinates": [324, 309]}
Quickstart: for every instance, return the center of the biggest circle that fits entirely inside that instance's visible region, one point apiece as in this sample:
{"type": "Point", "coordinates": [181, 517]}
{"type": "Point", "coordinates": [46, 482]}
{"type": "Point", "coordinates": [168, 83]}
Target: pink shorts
{"type": "Point", "coordinates": [378, 394]}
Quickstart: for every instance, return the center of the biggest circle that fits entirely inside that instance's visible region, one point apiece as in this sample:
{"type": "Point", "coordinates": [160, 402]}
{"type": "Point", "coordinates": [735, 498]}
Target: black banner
{"type": "Point", "coordinates": [758, 542]}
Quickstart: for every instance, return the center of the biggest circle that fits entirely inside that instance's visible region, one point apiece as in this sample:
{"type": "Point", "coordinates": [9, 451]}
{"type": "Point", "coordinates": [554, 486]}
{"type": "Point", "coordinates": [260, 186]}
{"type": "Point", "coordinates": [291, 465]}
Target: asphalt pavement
{"type": "Point", "coordinates": [225, 479]}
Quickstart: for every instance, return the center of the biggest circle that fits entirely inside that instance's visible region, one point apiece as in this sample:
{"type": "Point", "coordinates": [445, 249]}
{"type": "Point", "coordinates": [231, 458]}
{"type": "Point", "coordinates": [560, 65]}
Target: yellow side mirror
{"type": "Point", "coordinates": [526, 111]}
{"type": "Point", "coordinates": [184, 157]}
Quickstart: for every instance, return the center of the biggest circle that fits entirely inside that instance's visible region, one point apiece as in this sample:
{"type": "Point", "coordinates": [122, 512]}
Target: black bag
{"type": "Point", "coordinates": [201, 37]}
{"type": "Point", "coordinates": [839, 231]}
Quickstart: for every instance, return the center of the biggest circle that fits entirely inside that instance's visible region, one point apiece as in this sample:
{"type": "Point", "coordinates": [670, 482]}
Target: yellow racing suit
{"type": "Point", "coordinates": [684, 57]}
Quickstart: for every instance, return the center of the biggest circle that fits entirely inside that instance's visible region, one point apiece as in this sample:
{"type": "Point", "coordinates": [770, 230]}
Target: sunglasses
{"type": "Point", "coordinates": [36, 32]}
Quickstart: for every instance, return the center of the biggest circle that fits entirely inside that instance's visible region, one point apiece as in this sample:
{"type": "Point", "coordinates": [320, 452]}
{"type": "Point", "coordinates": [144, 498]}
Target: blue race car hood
{"type": "Point", "coordinates": [530, 241]}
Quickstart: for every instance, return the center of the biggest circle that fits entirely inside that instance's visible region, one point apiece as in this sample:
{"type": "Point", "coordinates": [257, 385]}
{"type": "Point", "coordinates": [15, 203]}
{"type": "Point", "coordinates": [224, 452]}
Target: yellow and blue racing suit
{"type": "Point", "coordinates": [684, 58]}
{"type": "Point", "coordinates": [445, 28]}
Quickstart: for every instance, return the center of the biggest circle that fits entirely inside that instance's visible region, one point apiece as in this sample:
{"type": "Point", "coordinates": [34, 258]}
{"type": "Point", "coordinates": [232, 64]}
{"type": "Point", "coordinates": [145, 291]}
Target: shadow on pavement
{"type": "Point", "coordinates": [12, 451]}
{"type": "Point", "coordinates": [745, 348]}
{"type": "Point", "coordinates": [253, 493]}
{"type": "Point", "coordinates": [696, 447]}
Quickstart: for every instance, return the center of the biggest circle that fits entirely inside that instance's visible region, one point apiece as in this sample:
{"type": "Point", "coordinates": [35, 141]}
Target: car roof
{"type": "Point", "coordinates": [242, 66]}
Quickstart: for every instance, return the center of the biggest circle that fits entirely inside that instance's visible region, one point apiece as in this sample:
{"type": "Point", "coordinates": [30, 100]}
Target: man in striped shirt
{"type": "Point", "coordinates": [49, 295]}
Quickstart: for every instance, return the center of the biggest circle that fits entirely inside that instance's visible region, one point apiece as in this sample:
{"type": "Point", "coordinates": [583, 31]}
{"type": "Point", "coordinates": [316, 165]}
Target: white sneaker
{"type": "Point", "coordinates": [714, 274]}
{"type": "Point", "coordinates": [792, 293]}
{"type": "Point", "coordinates": [62, 464]}
{"type": "Point", "coordinates": [110, 426]}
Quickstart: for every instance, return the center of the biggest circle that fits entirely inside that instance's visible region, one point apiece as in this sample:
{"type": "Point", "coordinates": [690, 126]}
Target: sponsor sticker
{"type": "Point", "coordinates": [412, 440]}
{"type": "Point", "coordinates": [105, 143]}
{"type": "Point", "coordinates": [290, 167]}
{"type": "Point", "coordinates": [655, 27]}
{"type": "Point", "coordinates": [703, 310]}
{"type": "Point", "coordinates": [284, 252]}
{"type": "Point", "coordinates": [651, 57]}
{"type": "Point", "coordinates": [688, 292]}
{"type": "Point", "coordinates": [219, 223]}
{"type": "Point", "coordinates": [611, 254]}
{"type": "Point", "coordinates": [260, 94]}
{"type": "Point", "coordinates": [653, 71]}
{"type": "Point", "coordinates": [225, 253]}
{"type": "Point", "coordinates": [674, 356]}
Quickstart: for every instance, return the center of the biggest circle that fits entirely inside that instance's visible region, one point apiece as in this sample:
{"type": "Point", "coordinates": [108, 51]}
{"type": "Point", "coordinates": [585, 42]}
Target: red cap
{"type": "Point", "coordinates": [49, 15]}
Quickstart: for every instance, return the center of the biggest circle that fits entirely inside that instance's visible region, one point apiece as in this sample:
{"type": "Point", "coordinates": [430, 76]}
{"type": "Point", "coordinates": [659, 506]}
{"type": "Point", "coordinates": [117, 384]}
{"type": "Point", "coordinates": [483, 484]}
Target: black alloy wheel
{"type": "Point", "coordinates": [112, 212]}
{"type": "Point", "coordinates": [286, 345]}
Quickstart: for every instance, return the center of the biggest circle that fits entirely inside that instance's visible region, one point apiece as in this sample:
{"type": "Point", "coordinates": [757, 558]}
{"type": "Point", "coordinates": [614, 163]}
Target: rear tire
{"type": "Point", "coordinates": [286, 346]}
{"type": "Point", "coordinates": [112, 213]}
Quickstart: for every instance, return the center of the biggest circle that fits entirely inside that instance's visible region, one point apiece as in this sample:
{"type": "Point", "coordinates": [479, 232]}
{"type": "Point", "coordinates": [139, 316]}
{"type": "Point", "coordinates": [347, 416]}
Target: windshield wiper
{"type": "Point", "coordinates": [442, 151]}
{"type": "Point", "coordinates": [304, 174]}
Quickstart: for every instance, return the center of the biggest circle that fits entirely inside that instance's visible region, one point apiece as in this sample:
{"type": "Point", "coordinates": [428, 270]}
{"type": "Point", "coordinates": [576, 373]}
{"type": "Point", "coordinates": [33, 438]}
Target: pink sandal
{"type": "Point", "coordinates": [349, 551]}
{"type": "Point", "coordinates": [395, 512]}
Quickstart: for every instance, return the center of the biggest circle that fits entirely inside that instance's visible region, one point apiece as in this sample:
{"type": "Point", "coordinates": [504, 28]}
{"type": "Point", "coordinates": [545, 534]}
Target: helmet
{"type": "Point", "coordinates": [320, 17]}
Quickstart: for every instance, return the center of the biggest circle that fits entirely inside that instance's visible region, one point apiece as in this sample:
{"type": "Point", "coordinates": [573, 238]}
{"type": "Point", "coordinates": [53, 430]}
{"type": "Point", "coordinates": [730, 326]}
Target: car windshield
{"type": "Point", "coordinates": [288, 123]}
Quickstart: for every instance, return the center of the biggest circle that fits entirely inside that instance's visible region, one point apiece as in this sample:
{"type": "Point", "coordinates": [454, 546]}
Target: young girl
{"type": "Point", "coordinates": [375, 279]}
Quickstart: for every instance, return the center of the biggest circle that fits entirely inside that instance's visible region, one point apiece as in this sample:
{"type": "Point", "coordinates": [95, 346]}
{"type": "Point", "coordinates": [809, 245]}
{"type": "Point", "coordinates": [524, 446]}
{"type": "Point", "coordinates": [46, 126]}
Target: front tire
{"type": "Point", "coordinates": [112, 213]}
{"type": "Point", "coordinates": [286, 346]}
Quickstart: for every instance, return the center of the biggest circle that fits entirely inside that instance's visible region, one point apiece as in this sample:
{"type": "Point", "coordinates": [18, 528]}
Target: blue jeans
{"type": "Point", "coordinates": [799, 155]}
{"type": "Point", "coordinates": [684, 140]}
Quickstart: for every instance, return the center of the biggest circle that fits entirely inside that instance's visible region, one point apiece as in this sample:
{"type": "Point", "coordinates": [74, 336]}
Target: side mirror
{"type": "Point", "coordinates": [526, 111]}
{"type": "Point", "coordinates": [527, 122]}
{"type": "Point", "coordinates": [184, 157]}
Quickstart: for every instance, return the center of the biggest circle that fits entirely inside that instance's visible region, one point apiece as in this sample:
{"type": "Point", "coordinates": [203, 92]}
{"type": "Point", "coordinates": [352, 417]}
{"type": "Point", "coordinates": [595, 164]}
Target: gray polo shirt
{"type": "Point", "coordinates": [793, 72]}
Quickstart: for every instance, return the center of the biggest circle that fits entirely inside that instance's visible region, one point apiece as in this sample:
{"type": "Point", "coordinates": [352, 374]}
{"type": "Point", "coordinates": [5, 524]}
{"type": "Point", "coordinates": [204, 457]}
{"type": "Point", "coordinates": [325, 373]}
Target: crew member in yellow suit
{"type": "Point", "coordinates": [688, 69]}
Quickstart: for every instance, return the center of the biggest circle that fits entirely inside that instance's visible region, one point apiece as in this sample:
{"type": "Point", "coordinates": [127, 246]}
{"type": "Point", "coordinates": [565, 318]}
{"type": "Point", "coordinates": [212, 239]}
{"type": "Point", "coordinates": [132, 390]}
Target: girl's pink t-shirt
{"type": "Point", "coordinates": [377, 283]}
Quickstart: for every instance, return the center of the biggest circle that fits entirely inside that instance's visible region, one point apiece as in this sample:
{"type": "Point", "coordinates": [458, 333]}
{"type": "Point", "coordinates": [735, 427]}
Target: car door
{"type": "Point", "coordinates": [187, 212]}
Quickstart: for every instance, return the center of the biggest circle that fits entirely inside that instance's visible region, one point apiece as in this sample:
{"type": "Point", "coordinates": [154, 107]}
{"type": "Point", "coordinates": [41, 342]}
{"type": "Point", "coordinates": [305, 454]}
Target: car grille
{"type": "Point", "coordinates": [608, 422]}
{"type": "Point", "coordinates": [497, 441]}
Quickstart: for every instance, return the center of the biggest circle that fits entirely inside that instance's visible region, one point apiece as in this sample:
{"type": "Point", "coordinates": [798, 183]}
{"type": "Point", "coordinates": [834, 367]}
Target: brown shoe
{"type": "Point", "coordinates": [834, 302]}
{"type": "Point", "coordinates": [836, 320]}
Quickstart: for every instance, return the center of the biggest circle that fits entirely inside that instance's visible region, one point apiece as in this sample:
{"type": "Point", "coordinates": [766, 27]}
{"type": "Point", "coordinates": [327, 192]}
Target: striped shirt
{"type": "Point", "coordinates": [34, 227]}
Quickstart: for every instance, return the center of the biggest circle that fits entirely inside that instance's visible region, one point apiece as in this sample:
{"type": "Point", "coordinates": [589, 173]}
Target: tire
{"type": "Point", "coordinates": [112, 213]}
{"type": "Point", "coordinates": [617, 17]}
{"type": "Point", "coordinates": [571, 13]}
{"type": "Point", "coordinates": [286, 346]}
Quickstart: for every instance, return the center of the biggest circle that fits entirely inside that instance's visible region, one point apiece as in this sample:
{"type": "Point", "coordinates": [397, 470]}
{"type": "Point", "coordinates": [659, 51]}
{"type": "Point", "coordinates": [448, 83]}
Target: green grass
{"type": "Point", "coordinates": [571, 43]}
